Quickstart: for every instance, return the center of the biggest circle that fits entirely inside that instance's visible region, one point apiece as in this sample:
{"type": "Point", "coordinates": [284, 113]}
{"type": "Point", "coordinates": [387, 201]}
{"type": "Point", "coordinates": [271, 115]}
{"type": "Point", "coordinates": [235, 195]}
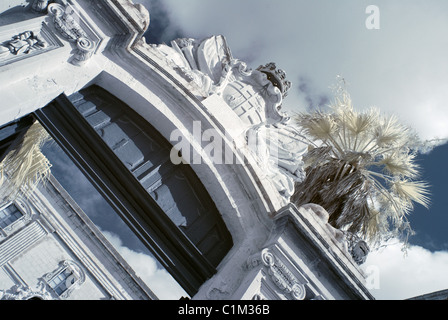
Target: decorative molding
{"type": "Point", "coordinates": [22, 43]}
{"type": "Point", "coordinates": [279, 149]}
{"type": "Point", "coordinates": [277, 77]}
{"type": "Point", "coordinates": [302, 259]}
{"type": "Point", "coordinates": [40, 6]}
{"type": "Point", "coordinates": [326, 254]}
{"type": "Point", "coordinates": [32, 38]}
{"type": "Point", "coordinates": [27, 216]}
{"type": "Point", "coordinates": [358, 248]}
{"type": "Point", "coordinates": [21, 240]}
{"type": "Point", "coordinates": [279, 273]}
{"type": "Point", "coordinates": [76, 271]}
{"type": "Point", "coordinates": [209, 64]}
{"type": "Point", "coordinates": [22, 292]}
{"type": "Point", "coordinates": [255, 96]}
{"type": "Point", "coordinates": [281, 276]}
{"type": "Point", "coordinates": [85, 48]}
{"type": "Point", "coordinates": [67, 23]}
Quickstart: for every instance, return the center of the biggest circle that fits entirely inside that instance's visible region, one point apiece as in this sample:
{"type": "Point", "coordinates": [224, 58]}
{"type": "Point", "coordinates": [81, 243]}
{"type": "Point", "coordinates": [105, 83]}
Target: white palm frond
{"type": "Point", "coordinates": [25, 167]}
{"type": "Point", "coordinates": [416, 191]}
{"type": "Point", "coordinates": [400, 164]}
{"type": "Point", "coordinates": [362, 173]}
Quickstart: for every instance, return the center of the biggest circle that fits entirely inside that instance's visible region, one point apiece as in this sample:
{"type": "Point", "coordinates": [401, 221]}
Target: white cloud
{"type": "Point", "coordinates": [395, 276]}
{"type": "Point", "coordinates": [145, 266]}
{"type": "Point", "coordinates": [400, 68]}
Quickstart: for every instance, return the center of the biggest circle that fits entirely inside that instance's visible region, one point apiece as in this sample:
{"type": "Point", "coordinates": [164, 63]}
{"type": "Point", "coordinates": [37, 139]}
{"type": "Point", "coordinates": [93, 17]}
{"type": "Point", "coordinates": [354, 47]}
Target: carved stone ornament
{"type": "Point", "coordinates": [358, 248]}
{"type": "Point", "coordinates": [85, 48]}
{"type": "Point", "coordinates": [75, 280]}
{"type": "Point", "coordinates": [279, 273]}
{"type": "Point", "coordinates": [210, 65]}
{"type": "Point", "coordinates": [22, 43]}
{"type": "Point", "coordinates": [40, 6]}
{"type": "Point", "coordinates": [279, 149]}
{"type": "Point", "coordinates": [277, 77]}
{"type": "Point", "coordinates": [255, 96]}
{"type": "Point", "coordinates": [281, 276]}
{"type": "Point", "coordinates": [67, 23]}
{"type": "Point", "coordinates": [21, 292]}
{"type": "Point", "coordinates": [27, 216]}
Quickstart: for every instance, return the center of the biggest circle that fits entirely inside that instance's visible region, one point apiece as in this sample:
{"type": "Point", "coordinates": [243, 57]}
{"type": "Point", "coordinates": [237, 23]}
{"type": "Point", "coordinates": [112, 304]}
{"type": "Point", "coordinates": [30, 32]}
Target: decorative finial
{"type": "Point", "coordinates": [276, 76]}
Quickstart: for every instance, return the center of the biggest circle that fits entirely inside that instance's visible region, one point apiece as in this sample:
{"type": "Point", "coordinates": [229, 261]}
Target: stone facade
{"type": "Point", "coordinates": [53, 251]}
{"type": "Point", "coordinates": [279, 251]}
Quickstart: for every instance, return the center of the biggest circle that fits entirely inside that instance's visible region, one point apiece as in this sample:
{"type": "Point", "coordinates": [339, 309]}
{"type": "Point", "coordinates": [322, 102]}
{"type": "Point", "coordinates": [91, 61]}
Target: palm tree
{"type": "Point", "coordinates": [26, 166]}
{"type": "Point", "coordinates": [362, 170]}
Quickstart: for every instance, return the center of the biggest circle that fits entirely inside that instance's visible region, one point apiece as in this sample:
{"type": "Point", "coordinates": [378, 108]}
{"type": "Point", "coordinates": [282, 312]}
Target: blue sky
{"type": "Point", "coordinates": [401, 68]}
{"type": "Point", "coordinates": [431, 225]}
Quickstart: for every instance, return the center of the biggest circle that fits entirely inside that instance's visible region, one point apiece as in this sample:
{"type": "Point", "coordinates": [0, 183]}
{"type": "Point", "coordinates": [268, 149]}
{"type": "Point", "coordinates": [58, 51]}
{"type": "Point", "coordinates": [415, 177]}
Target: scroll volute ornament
{"type": "Point", "coordinates": [68, 26]}
{"type": "Point", "coordinates": [281, 276]}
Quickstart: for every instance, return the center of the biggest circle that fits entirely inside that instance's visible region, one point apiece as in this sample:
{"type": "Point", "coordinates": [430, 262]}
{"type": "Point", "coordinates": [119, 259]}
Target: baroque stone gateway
{"type": "Point", "coordinates": [119, 107]}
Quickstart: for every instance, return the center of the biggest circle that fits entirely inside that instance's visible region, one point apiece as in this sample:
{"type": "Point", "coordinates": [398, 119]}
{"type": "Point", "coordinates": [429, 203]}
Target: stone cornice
{"type": "Point", "coordinates": [128, 21]}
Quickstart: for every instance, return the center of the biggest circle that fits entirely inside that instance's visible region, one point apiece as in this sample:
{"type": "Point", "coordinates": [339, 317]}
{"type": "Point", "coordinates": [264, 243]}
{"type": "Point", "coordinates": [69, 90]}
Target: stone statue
{"type": "Point", "coordinates": [22, 43]}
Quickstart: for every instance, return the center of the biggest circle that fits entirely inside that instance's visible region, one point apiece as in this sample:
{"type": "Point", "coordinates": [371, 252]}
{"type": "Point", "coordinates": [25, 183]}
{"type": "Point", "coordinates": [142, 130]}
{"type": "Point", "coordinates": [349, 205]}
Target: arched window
{"type": "Point", "coordinates": [13, 216]}
{"type": "Point", "coordinates": [9, 214]}
{"type": "Point", "coordinates": [66, 278]}
{"type": "Point", "coordinates": [128, 161]}
{"type": "Point", "coordinates": [62, 281]}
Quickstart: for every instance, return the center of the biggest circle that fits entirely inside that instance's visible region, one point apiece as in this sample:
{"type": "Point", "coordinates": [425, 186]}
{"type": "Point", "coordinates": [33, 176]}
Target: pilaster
{"type": "Point", "coordinates": [302, 260]}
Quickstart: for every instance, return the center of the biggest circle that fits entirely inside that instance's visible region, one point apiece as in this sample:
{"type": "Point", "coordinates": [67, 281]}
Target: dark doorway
{"type": "Point", "coordinates": [128, 162]}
